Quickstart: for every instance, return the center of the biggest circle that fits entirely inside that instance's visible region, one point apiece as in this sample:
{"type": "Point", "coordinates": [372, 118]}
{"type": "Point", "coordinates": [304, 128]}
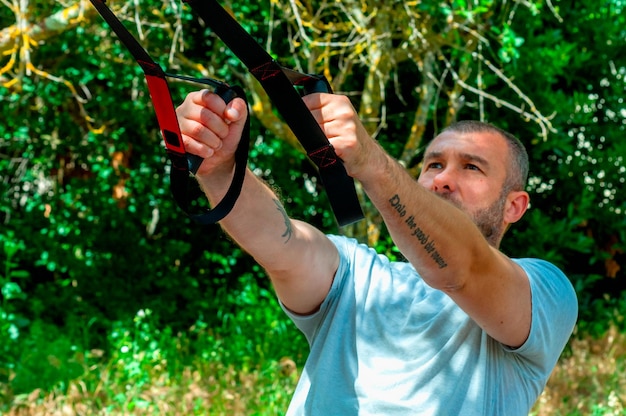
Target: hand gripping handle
{"type": "Point", "coordinates": [228, 94]}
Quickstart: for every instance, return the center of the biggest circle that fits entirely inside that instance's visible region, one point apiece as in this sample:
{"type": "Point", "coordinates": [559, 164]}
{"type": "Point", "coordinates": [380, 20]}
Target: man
{"type": "Point", "coordinates": [459, 329]}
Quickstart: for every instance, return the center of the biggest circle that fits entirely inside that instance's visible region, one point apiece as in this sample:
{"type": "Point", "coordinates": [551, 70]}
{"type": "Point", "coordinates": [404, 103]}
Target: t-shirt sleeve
{"type": "Point", "coordinates": [309, 324]}
{"type": "Point", "coordinates": [554, 314]}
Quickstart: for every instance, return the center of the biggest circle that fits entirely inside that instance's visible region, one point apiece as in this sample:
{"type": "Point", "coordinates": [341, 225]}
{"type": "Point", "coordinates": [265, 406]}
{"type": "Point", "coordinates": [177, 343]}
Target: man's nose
{"type": "Point", "coordinates": [444, 181]}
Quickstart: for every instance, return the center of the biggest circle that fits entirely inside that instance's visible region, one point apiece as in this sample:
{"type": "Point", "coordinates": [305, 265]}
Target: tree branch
{"type": "Point", "coordinates": [51, 26]}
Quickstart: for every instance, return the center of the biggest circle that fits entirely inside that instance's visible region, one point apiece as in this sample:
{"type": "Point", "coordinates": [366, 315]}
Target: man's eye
{"type": "Point", "coordinates": [470, 166]}
{"type": "Point", "coordinates": [434, 165]}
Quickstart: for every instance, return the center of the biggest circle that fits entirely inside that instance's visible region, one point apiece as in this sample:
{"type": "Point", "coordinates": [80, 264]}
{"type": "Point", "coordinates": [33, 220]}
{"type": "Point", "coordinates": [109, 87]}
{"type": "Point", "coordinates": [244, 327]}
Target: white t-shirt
{"type": "Point", "coordinates": [386, 343]}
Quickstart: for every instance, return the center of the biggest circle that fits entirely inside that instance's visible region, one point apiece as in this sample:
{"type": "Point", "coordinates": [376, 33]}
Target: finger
{"type": "Point", "coordinates": [327, 108]}
{"type": "Point", "coordinates": [209, 99]}
{"type": "Point", "coordinates": [198, 139]}
{"type": "Point", "coordinates": [328, 117]}
{"type": "Point", "coordinates": [202, 110]}
{"type": "Point", "coordinates": [235, 110]}
{"type": "Point", "coordinates": [202, 129]}
{"type": "Point", "coordinates": [314, 101]}
{"type": "Point", "coordinates": [232, 112]}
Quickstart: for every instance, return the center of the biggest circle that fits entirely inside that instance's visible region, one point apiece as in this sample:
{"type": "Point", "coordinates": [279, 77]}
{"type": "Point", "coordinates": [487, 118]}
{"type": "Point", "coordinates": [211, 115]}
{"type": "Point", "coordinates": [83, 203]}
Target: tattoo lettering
{"type": "Point", "coordinates": [417, 232]}
{"type": "Point", "coordinates": [288, 230]}
{"type": "Point", "coordinates": [395, 203]}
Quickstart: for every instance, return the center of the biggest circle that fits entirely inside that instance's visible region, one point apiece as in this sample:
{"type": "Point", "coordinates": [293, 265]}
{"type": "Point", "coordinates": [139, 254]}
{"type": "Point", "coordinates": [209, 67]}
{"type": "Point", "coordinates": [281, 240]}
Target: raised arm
{"type": "Point", "coordinates": [439, 237]}
{"type": "Point", "coordinates": [299, 259]}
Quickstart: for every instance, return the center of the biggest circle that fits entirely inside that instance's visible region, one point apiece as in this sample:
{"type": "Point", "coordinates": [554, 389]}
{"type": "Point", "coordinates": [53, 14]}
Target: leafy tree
{"type": "Point", "coordinates": [84, 175]}
{"type": "Point", "coordinates": [578, 217]}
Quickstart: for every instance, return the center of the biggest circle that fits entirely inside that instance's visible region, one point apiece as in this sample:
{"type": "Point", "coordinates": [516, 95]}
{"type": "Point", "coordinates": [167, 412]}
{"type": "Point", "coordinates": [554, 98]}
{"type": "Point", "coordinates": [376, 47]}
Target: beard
{"type": "Point", "coordinates": [488, 220]}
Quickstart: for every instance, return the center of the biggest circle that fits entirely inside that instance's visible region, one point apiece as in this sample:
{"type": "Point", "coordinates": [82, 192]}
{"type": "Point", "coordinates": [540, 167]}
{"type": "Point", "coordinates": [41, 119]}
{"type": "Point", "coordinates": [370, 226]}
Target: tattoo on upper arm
{"type": "Point", "coordinates": [419, 234]}
{"type": "Point", "coordinates": [288, 230]}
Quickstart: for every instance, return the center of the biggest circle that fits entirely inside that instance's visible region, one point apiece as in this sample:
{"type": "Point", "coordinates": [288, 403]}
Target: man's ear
{"type": "Point", "coordinates": [516, 206]}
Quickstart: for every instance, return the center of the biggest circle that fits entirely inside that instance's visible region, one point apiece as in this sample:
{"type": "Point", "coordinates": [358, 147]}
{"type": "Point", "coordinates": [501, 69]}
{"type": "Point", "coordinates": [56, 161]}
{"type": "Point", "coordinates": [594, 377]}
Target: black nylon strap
{"type": "Point", "coordinates": [279, 83]}
{"type": "Point", "coordinates": [183, 163]}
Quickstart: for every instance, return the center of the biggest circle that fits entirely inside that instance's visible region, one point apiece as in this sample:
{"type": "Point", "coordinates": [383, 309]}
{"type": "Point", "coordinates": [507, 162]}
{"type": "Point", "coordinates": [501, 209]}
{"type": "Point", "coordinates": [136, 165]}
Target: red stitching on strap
{"type": "Point", "coordinates": [324, 156]}
{"type": "Point", "coordinates": [265, 71]}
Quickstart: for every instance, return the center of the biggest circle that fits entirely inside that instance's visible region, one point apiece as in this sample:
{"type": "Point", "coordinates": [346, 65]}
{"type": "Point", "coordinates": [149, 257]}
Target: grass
{"type": "Point", "coordinates": [590, 379]}
{"type": "Point", "coordinates": [198, 389]}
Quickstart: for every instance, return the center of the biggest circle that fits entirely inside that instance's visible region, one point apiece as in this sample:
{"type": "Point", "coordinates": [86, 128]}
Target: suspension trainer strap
{"type": "Point", "coordinates": [279, 84]}
{"type": "Point", "coordinates": [182, 162]}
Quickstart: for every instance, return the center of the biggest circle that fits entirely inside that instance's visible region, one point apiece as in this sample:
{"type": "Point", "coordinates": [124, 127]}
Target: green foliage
{"type": "Point", "coordinates": [49, 359]}
{"type": "Point", "coordinates": [11, 320]}
{"type": "Point", "coordinates": [94, 246]}
{"type": "Point", "coordinates": [254, 326]}
{"type": "Point", "coordinates": [577, 218]}
{"type": "Point", "coordinates": [148, 368]}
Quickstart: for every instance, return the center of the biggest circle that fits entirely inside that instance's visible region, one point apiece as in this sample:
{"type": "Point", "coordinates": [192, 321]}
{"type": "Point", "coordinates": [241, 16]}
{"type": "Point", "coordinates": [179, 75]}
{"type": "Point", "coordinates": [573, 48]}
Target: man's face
{"type": "Point", "coordinates": [469, 170]}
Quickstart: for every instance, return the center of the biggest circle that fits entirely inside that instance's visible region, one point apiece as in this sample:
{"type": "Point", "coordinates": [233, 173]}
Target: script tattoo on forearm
{"type": "Point", "coordinates": [419, 234]}
{"type": "Point", "coordinates": [288, 230]}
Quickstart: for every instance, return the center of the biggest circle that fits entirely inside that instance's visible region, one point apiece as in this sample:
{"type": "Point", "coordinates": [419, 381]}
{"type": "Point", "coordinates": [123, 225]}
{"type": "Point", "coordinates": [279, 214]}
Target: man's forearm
{"type": "Point", "coordinates": [260, 225]}
{"type": "Point", "coordinates": [258, 221]}
{"type": "Point", "coordinates": [436, 237]}
{"type": "Point", "coordinates": [300, 260]}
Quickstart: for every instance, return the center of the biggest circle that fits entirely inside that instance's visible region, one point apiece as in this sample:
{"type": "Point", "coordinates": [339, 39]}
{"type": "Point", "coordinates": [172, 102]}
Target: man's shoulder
{"type": "Point", "coordinates": [537, 268]}
{"type": "Point", "coordinates": [546, 276]}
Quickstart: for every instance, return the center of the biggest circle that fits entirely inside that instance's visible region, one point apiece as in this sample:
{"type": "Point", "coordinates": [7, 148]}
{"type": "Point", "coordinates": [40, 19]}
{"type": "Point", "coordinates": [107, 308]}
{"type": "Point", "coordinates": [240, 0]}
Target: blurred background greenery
{"type": "Point", "coordinates": [113, 302]}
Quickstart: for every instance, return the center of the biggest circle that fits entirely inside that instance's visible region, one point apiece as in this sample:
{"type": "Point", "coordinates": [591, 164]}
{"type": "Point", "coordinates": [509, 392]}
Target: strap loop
{"type": "Point", "coordinates": [279, 84]}
{"type": "Point", "coordinates": [183, 163]}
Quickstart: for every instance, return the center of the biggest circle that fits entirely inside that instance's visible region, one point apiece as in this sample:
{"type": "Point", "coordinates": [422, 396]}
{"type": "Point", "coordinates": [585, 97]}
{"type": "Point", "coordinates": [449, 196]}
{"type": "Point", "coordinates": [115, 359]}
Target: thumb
{"type": "Point", "coordinates": [235, 110]}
